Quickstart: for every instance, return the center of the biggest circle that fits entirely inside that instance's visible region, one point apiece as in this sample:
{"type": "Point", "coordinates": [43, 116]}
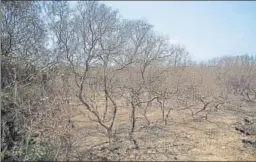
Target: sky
{"type": "Point", "coordinates": [207, 29]}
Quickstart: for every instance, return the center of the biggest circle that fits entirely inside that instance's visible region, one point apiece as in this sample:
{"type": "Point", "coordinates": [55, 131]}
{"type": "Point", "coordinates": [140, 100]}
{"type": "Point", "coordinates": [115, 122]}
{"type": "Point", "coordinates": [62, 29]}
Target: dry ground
{"type": "Point", "coordinates": [183, 138]}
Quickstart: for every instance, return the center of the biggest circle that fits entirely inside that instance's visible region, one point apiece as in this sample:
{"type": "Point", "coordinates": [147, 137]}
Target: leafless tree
{"type": "Point", "coordinates": [91, 39]}
{"type": "Point", "coordinates": [237, 77]}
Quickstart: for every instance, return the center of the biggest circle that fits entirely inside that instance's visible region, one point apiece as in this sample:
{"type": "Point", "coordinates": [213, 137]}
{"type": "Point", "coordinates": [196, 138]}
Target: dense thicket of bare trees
{"type": "Point", "coordinates": [24, 93]}
{"type": "Point", "coordinates": [53, 54]}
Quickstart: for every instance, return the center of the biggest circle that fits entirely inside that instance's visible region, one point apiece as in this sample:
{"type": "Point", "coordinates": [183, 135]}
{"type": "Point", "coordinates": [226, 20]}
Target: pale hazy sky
{"type": "Point", "coordinates": [207, 28]}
